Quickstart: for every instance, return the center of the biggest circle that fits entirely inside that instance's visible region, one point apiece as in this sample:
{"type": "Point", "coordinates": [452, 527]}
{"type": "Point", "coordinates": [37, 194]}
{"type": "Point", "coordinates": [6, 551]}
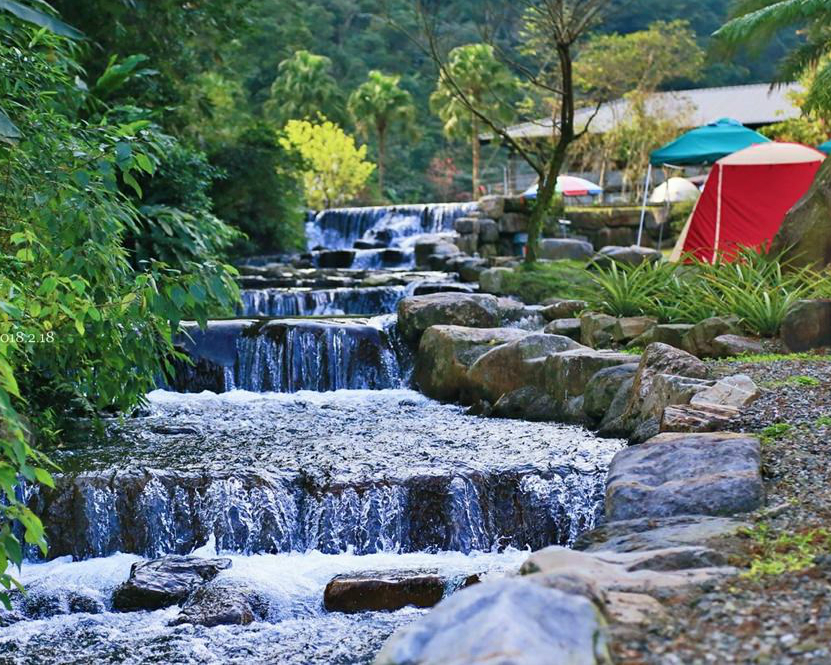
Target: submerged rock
{"type": "Point", "coordinates": [165, 581]}
{"type": "Point", "coordinates": [225, 604]}
{"type": "Point", "coordinates": [686, 474]}
{"type": "Point", "coordinates": [509, 621]}
{"type": "Point", "coordinates": [383, 591]}
{"type": "Point", "coordinates": [472, 310]}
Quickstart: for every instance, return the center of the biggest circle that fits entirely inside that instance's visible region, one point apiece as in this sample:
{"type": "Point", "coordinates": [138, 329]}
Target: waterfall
{"type": "Point", "coordinates": [292, 355]}
{"type": "Point", "coordinates": [386, 226]}
{"type": "Point", "coordinates": [324, 302]}
{"type": "Point", "coordinates": [151, 512]}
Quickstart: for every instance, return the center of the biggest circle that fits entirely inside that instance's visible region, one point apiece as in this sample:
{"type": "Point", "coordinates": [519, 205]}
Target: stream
{"type": "Point", "coordinates": [298, 449]}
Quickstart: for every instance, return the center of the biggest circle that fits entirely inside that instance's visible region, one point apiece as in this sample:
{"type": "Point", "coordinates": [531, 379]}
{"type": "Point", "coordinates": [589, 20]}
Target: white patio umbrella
{"type": "Point", "coordinates": [674, 190]}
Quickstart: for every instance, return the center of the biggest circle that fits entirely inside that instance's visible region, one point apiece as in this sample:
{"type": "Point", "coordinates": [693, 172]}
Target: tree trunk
{"type": "Point", "coordinates": [382, 150]}
{"type": "Point", "coordinates": [548, 187]}
{"type": "Point", "coordinates": [476, 150]}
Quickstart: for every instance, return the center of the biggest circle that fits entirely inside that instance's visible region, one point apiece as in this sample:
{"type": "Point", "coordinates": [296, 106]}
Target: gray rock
{"type": "Point", "coordinates": [632, 255]}
{"type": "Point", "coordinates": [445, 354]}
{"type": "Point", "coordinates": [470, 269]}
{"type": "Point", "coordinates": [473, 310]}
{"type": "Point", "coordinates": [685, 474]}
{"type": "Point", "coordinates": [225, 604]}
{"type": "Point", "coordinates": [510, 621]}
{"type": "Point", "coordinates": [602, 388]}
{"type": "Point", "coordinates": [492, 280]}
{"type": "Point", "coordinates": [697, 418]}
{"type": "Point", "coordinates": [698, 340]}
{"type": "Point", "coordinates": [488, 231]}
{"type": "Point", "coordinates": [513, 222]}
{"type": "Point", "coordinates": [807, 325]}
{"type": "Point", "coordinates": [611, 423]}
{"type": "Point", "coordinates": [567, 374]}
{"type": "Point", "coordinates": [466, 225]}
{"type": "Point", "coordinates": [735, 391]}
{"type": "Point", "coordinates": [558, 308]}
{"type": "Point", "coordinates": [379, 591]}
{"type": "Point", "coordinates": [556, 249]}
{"type": "Point", "coordinates": [670, 389]}
{"type": "Point", "coordinates": [596, 329]}
{"type": "Point", "coordinates": [528, 403]}
{"type": "Point", "coordinates": [511, 366]}
{"type": "Point", "coordinates": [165, 581]}
{"type": "Point", "coordinates": [492, 206]}
{"type": "Point", "coordinates": [629, 327]}
{"type": "Point", "coordinates": [672, 334]}
{"type": "Point", "coordinates": [657, 533]}
{"type": "Point", "coordinates": [725, 346]}
{"type": "Point", "coordinates": [566, 327]}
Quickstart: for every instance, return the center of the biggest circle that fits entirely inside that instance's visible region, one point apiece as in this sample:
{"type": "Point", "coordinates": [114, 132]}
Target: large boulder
{"type": "Point", "coordinates": [602, 388]}
{"type": "Point", "coordinates": [807, 325]}
{"type": "Point", "coordinates": [664, 333]}
{"type": "Point", "coordinates": [632, 255]}
{"type": "Point", "coordinates": [165, 581]}
{"type": "Point", "coordinates": [510, 621]}
{"type": "Point", "coordinates": [726, 346]}
{"type": "Point", "coordinates": [628, 328]}
{"type": "Point", "coordinates": [566, 327]}
{"type": "Point", "coordinates": [383, 591]}
{"type": "Point", "coordinates": [473, 310]}
{"type": "Point", "coordinates": [492, 206]}
{"type": "Point", "coordinates": [596, 329]}
{"type": "Point", "coordinates": [737, 392]}
{"type": "Point", "coordinates": [685, 474]}
{"type": "Point", "coordinates": [445, 354]}
{"type": "Point", "coordinates": [515, 364]}
{"type": "Point", "coordinates": [561, 308]}
{"type": "Point", "coordinates": [698, 340]}
{"type": "Point", "coordinates": [567, 374]}
{"type": "Point", "coordinates": [556, 249]}
{"type": "Point", "coordinates": [804, 238]}
{"type": "Point", "coordinates": [225, 604]}
{"type": "Point", "coordinates": [492, 280]}
{"type": "Point", "coordinates": [527, 403]}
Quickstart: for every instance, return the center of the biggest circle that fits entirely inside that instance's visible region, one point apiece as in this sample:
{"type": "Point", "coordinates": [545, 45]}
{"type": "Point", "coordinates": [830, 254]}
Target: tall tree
{"type": "Point", "coordinates": [381, 104]}
{"type": "Point", "coordinates": [553, 28]}
{"type": "Point", "coordinates": [304, 88]}
{"type": "Point", "coordinates": [473, 77]}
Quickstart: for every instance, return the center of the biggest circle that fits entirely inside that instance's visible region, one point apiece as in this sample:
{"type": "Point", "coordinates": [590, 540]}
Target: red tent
{"type": "Point", "coordinates": [746, 197]}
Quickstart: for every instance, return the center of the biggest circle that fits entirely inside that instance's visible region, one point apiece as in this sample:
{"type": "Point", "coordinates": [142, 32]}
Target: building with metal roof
{"type": "Point", "coordinates": [752, 105]}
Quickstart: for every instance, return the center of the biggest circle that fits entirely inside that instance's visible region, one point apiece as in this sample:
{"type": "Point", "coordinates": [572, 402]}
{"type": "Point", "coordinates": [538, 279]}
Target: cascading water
{"type": "Point", "coordinates": [323, 302]}
{"type": "Point", "coordinates": [339, 228]}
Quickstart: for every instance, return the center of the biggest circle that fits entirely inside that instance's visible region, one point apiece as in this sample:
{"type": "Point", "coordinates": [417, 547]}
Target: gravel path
{"type": "Point", "coordinates": [772, 618]}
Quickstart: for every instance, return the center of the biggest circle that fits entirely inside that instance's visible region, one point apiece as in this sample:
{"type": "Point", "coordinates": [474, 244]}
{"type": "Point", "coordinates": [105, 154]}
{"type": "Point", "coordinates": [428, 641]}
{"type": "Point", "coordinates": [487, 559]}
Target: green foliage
{"type": "Point", "coordinates": [304, 87]}
{"type": "Point", "coordinates": [798, 381]}
{"type": "Point", "coordinates": [535, 282]}
{"type": "Point", "coordinates": [380, 105]}
{"type": "Point", "coordinates": [260, 191]}
{"type": "Point", "coordinates": [775, 357]}
{"type": "Point", "coordinates": [823, 421]}
{"type": "Point", "coordinates": [753, 287]}
{"type": "Point", "coordinates": [774, 432]}
{"type": "Point", "coordinates": [85, 325]}
{"type": "Point", "coordinates": [775, 553]}
{"type": "Point", "coordinates": [336, 169]}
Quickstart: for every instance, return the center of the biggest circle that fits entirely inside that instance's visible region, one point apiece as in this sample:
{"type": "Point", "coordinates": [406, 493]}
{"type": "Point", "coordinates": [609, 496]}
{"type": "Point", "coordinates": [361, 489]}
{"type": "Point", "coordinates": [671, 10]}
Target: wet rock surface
{"type": "Point", "coordinates": [222, 604]}
{"type": "Point", "coordinates": [376, 591]}
{"type": "Point", "coordinates": [418, 313]}
{"type": "Point", "coordinates": [165, 581]}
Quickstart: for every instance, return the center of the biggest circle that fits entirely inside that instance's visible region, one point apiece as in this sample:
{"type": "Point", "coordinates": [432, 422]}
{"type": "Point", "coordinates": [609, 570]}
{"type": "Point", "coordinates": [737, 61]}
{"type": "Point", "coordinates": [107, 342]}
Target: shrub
{"type": "Point", "coordinates": [535, 282]}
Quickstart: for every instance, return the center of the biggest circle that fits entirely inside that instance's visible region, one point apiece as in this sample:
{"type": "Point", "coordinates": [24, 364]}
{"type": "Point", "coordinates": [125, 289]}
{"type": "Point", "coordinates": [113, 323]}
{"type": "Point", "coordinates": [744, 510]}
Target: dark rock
{"type": "Point", "coordinates": [383, 591]}
{"type": "Point", "coordinates": [528, 403]}
{"type": "Point", "coordinates": [466, 225]}
{"type": "Point", "coordinates": [470, 269]}
{"type": "Point", "coordinates": [472, 310]}
{"type": "Point", "coordinates": [685, 474]}
{"type": "Point", "coordinates": [567, 374]}
{"type": "Point", "coordinates": [369, 244]}
{"type": "Point", "coordinates": [165, 581]}
{"type": "Point", "coordinates": [698, 340]}
{"type": "Point", "coordinates": [672, 334]}
{"type": "Point", "coordinates": [512, 222]}
{"type": "Point", "coordinates": [336, 258]}
{"type": "Point", "coordinates": [596, 329]}
{"type": "Point", "coordinates": [488, 231]}
{"type": "Point", "coordinates": [510, 621]}
{"type": "Point", "coordinates": [492, 280]}
{"type": "Point", "coordinates": [603, 386]}
{"type": "Point", "coordinates": [221, 605]}
{"type": "Point", "coordinates": [804, 238]}
{"type": "Point", "coordinates": [556, 249]}
{"type": "Point", "coordinates": [612, 423]}
{"type": "Point", "coordinates": [628, 328]}
{"type": "Point", "coordinates": [725, 346]}
{"type": "Point", "coordinates": [565, 327]}
{"type": "Point", "coordinates": [558, 308]}
{"type": "Point", "coordinates": [807, 325]}
{"type": "Point", "coordinates": [492, 206]}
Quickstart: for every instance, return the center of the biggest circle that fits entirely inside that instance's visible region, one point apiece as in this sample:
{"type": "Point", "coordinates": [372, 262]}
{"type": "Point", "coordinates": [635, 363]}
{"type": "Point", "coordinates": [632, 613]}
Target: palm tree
{"type": "Point", "coordinates": [474, 78]}
{"type": "Point", "coordinates": [380, 104]}
{"type": "Point", "coordinates": [304, 89]}
{"type": "Point", "coordinates": [756, 21]}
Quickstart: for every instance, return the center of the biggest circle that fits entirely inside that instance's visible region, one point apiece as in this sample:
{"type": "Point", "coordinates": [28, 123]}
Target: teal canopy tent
{"type": "Point", "coordinates": [825, 147]}
{"type": "Point", "coordinates": [703, 145]}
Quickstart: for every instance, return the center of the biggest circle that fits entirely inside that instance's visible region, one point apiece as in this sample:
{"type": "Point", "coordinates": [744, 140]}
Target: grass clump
{"type": "Point", "coordinates": [533, 283]}
{"type": "Point", "coordinates": [798, 381]}
{"type": "Point", "coordinates": [774, 553]}
{"type": "Point", "coordinates": [774, 432]}
{"type": "Point", "coordinates": [774, 357]}
{"type": "Point", "coordinates": [823, 421]}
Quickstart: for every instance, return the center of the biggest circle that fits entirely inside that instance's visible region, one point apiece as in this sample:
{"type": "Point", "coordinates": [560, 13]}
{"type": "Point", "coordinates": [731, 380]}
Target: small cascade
{"type": "Point", "coordinates": [384, 226]}
{"type": "Point", "coordinates": [324, 302]}
{"type": "Point", "coordinates": [291, 355]}
{"type": "Point", "coordinates": [152, 512]}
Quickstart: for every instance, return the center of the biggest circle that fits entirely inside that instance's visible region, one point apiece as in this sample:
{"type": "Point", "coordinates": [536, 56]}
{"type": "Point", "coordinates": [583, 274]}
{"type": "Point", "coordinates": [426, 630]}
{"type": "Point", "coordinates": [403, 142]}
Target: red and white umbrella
{"type": "Point", "coordinates": [569, 185]}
